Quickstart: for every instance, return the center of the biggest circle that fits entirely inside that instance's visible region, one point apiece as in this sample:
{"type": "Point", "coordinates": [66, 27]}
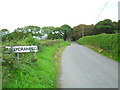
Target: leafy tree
{"type": "Point", "coordinates": [34, 30]}
{"type": "Point", "coordinates": [22, 33]}
{"type": "Point", "coordinates": [52, 32]}
{"type": "Point", "coordinates": [50, 36]}
{"type": "Point", "coordinates": [54, 36]}
{"type": "Point", "coordinates": [47, 30]}
{"type": "Point", "coordinates": [105, 26]}
{"type": "Point", "coordinates": [65, 31]}
{"type": "Point", "coordinates": [3, 34]}
{"type": "Point", "coordinates": [77, 31]}
{"type": "Point", "coordinates": [115, 24]}
{"type": "Point", "coordinates": [80, 30]}
{"type": "Point", "coordinates": [89, 30]}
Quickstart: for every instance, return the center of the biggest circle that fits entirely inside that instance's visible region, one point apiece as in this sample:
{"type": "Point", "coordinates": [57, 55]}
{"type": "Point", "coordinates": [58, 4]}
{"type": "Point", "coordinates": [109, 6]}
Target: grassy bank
{"type": "Point", "coordinates": [105, 44]}
{"type": "Point", "coordinates": [34, 70]}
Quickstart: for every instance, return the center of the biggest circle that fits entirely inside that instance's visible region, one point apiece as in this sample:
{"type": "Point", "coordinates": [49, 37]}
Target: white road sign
{"type": "Point", "coordinates": [20, 49]}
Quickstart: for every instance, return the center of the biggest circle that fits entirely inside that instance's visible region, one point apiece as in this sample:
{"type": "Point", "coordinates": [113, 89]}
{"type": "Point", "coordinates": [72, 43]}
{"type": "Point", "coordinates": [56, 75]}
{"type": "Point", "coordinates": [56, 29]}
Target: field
{"type": "Point", "coordinates": [34, 70]}
{"type": "Point", "coordinates": [105, 44]}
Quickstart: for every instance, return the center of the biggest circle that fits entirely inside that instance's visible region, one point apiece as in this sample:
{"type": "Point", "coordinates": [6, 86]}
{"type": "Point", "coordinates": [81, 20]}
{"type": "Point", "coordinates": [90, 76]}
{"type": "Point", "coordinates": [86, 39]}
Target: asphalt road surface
{"type": "Point", "coordinates": [81, 67]}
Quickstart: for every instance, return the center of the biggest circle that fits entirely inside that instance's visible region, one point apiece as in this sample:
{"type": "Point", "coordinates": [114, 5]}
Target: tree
{"type": "Point", "coordinates": [52, 32]}
{"type": "Point", "coordinates": [3, 34]}
{"type": "Point", "coordinates": [20, 33]}
{"type": "Point", "coordinates": [34, 30]}
{"type": "Point", "coordinates": [78, 30]}
{"type": "Point", "coordinates": [89, 30]}
{"type": "Point", "coordinates": [54, 36]}
{"type": "Point", "coordinates": [115, 24]}
{"type": "Point", "coordinates": [65, 31]}
{"type": "Point", "coordinates": [82, 29]}
{"type": "Point", "coordinates": [105, 26]}
{"type": "Point", "coordinates": [47, 30]}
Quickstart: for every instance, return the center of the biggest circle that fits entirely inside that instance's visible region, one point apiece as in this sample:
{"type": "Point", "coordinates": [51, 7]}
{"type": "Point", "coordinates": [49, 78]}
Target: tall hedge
{"type": "Point", "coordinates": [107, 42]}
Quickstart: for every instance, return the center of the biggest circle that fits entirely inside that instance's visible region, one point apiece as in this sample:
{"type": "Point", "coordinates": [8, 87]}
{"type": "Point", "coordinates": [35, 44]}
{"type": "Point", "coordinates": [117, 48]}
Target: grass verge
{"type": "Point", "coordinates": [41, 73]}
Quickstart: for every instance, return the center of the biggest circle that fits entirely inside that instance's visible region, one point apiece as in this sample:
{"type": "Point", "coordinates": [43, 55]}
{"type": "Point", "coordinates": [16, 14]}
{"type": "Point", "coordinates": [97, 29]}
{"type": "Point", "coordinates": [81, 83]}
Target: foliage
{"type": "Point", "coordinates": [66, 31]}
{"type": "Point", "coordinates": [21, 33]}
{"type": "Point", "coordinates": [57, 32]}
{"type": "Point", "coordinates": [34, 30]}
{"type": "Point", "coordinates": [38, 70]}
{"type": "Point", "coordinates": [80, 29]}
{"type": "Point", "coordinates": [3, 33]}
{"type": "Point", "coordinates": [52, 32]}
{"type": "Point", "coordinates": [105, 26]}
{"type": "Point", "coordinates": [33, 70]}
{"type": "Point", "coordinates": [107, 42]}
{"type": "Point", "coordinates": [47, 30]}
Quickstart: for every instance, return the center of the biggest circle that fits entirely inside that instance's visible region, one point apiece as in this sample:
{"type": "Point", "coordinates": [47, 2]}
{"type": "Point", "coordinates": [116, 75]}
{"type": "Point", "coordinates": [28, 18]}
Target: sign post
{"type": "Point", "coordinates": [18, 57]}
{"type": "Point", "coordinates": [22, 49]}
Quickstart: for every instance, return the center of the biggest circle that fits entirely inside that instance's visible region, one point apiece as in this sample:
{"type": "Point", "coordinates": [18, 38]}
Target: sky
{"type": "Point", "coordinates": [119, 10]}
{"type": "Point", "coordinates": [20, 13]}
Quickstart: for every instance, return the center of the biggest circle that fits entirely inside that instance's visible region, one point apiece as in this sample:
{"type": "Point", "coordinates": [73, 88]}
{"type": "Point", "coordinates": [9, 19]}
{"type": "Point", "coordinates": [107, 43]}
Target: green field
{"type": "Point", "coordinates": [34, 70]}
{"type": "Point", "coordinates": [105, 44]}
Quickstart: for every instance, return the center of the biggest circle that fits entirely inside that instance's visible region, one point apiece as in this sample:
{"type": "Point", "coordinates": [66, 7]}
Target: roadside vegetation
{"type": "Point", "coordinates": [34, 70]}
{"type": "Point", "coordinates": [102, 37]}
{"type": "Point", "coordinates": [105, 44]}
{"type": "Point", "coordinates": [40, 69]}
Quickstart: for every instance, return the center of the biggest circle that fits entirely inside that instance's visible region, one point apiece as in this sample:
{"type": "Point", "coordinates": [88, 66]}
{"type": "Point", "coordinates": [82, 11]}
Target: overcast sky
{"type": "Point", "coordinates": [20, 13]}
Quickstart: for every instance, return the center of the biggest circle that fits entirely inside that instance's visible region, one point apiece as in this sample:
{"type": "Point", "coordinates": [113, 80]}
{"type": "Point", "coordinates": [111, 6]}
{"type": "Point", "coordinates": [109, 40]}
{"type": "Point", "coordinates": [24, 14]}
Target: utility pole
{"type": "Point", "coordinates": [83, 31]}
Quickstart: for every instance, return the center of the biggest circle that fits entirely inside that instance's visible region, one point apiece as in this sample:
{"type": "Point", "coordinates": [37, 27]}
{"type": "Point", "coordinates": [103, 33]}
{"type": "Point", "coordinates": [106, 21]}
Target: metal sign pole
{"type": "Point", "coordinates": [18, 56]}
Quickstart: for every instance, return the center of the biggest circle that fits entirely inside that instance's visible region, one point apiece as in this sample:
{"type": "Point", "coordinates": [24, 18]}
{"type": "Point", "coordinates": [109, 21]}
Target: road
{"type": "Point", "coordinates": [81, 67]}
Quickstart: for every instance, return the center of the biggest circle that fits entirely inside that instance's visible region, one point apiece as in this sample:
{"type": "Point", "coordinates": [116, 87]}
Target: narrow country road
{"type": "Point", "coordinates": [83, 68]}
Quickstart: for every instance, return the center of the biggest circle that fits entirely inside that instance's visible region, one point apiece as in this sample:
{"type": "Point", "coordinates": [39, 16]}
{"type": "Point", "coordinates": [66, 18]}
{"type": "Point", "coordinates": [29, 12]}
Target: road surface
{"type": "Point", "coordinates": [83, 68]}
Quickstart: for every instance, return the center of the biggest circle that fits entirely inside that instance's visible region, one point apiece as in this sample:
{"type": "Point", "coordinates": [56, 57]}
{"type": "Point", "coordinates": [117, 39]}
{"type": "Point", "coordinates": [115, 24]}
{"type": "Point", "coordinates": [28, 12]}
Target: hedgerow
{"type": "Point", "coordinates": [107, 42]}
